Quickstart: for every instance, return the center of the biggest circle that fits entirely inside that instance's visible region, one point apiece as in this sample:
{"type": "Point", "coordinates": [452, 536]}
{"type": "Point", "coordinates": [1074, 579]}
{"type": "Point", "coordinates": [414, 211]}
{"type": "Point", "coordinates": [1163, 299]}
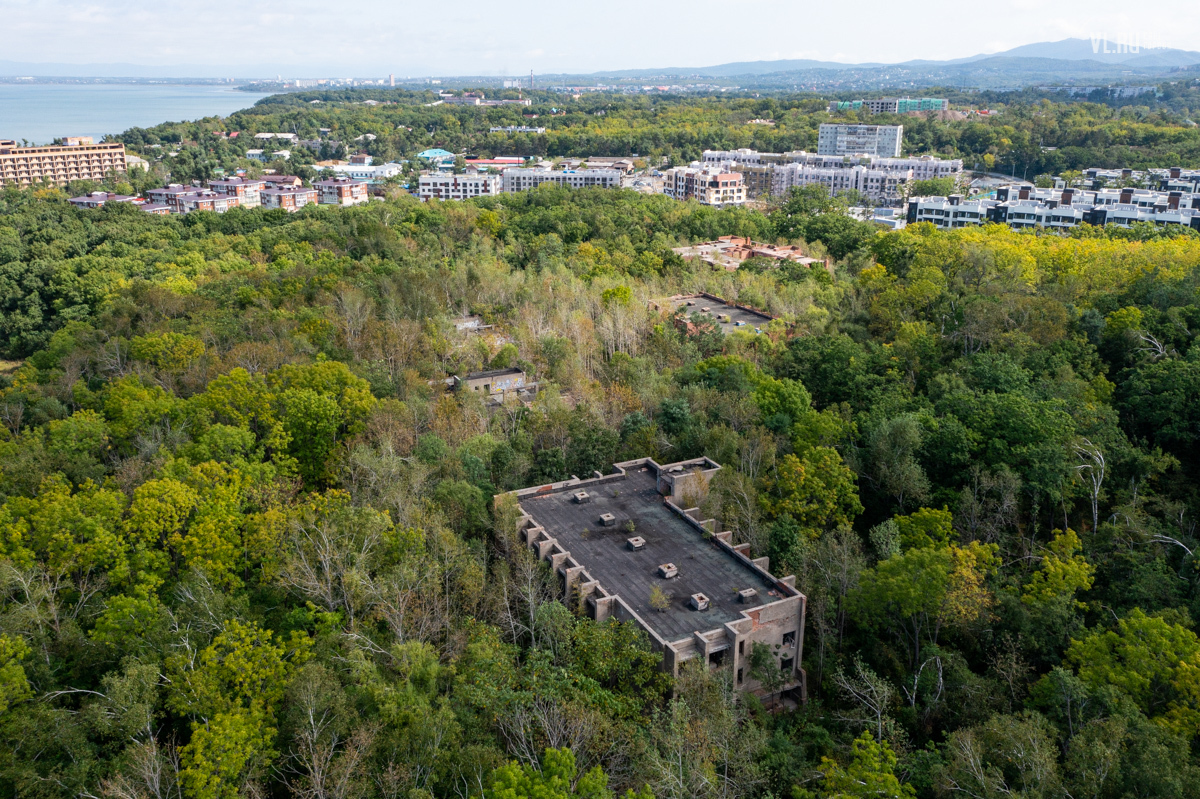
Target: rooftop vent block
{"type": "Point", "coordinates": [699, 602]}
{"type": "Point", "coordinates": [747, 595]}
{"type": "Point", "coordinates": [636, 543]}
{"type": "Point", "coordinates": [582, 497]}
{"type": "Point", "coordinates": [608, 520]}
{"type": "Point", "coordinates": [667, 570]}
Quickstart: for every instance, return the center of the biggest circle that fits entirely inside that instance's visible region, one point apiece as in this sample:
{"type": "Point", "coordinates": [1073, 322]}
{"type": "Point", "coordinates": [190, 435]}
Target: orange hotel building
{"type": "Point", "coordinates": [24, 166]}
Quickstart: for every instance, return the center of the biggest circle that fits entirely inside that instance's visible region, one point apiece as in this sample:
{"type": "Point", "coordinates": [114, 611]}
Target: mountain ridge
{"type": "Point", "coordinates": [1066, 50]}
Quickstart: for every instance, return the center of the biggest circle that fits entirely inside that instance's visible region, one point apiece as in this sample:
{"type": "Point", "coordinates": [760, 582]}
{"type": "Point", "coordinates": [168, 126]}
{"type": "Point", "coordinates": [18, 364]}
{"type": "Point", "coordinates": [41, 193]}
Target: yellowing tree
{"type": "Point", "coordinates": [1063, 571]}
{"type": "Point", "coordinates": [818, 492]}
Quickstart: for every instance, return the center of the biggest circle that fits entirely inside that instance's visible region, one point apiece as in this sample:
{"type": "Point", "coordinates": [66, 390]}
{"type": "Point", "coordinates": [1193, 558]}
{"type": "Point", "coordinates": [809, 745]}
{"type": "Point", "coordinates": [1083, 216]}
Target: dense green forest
{"type": "Point", "coordinates": [1024, 139]}
{"type": "Point", "coordinates": [248, 545]}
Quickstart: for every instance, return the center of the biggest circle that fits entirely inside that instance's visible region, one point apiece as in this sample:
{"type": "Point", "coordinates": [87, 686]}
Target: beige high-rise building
{"type": "Point", "coordinates": [60, 164]}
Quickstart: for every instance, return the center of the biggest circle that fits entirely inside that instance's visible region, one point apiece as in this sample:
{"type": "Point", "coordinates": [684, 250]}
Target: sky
{"type": "Point", "coordinates": [319, 38]}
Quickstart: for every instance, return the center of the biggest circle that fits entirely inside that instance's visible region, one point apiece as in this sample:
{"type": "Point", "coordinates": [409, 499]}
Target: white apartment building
{"type": "Point", "coordinates": [923, 167]}
{"type": "Point", "coordinates": [515, 180]}
{"type": "Point", "coordinates": [458, 187]}
{"type": "Point", "coordinates": [947, 213]}
{"type": "Point", "coordinates": [881, 140]}
{"type": "Point", "coordinates": [1026, 207]}
{"type": "Point", "coordinates": [763, 170]}
{"type": "Point", "coordinates": [881, 186]}
{"type": "Point", "coordinates": [707, 183]}
{"type": "Point", "coordinates": [262, 155]}
{"type": "Point", "coordinates": [372, 173]}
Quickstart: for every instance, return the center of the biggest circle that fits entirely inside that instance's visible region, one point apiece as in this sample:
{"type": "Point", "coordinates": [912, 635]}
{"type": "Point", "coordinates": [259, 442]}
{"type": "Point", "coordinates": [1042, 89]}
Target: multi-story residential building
{"type": "Point", "coordinates": [371, 173]}
{"type": "Point", "coordinates": [458, 187]}
{"type": "Point", "coordinates": [1025, 207]}
{"type": "Point", "coordinates": [881, 140]}
{"type": "Point", "coordinates": [289, 198]}
{"type": "Point", "coordinates": [516, 129]}
{"type": "Point", "coordinates": [246, 190]}
{"type": "Point", "coordinates": [467, 98]}
{"type": "Point", "coordinates": [891, 105]}
{"type": "Point", "coordinates": [275, 155]}
{"type": "Point", "coordinates": [1177, 179]}
{"type": "Point", "coordinates": [170, 195]}
{"type": "Point", "coordinates": [775, 173]}
{"type": "Point", "coordinates": [205, 200]}
{"type": "Point", "coordinates": [1139, 198]}
{"type": "Point", "coordinates": [709, 184]}
{"type": "Point", "coordinates": [1103, 177]}
{"type": "Point", "coordinates": [288, 137]}
{"type": "Point", "coordinates": [924, 167]}
{"type": "Point", "coordinates": [881, 186]}
{"type": "Point", "coordinates": [341, 191]}
{"type": "Point", "coordinates": [99, 198]}
{"type": "Point", "coordinates": [157, 209]}
{"type": "Point", "coordinates": [951, 212]}
{"type": "Point", "coordinates": [279, 181]}
{"type": "Point", "coordinates": [181, 199]}
{"type": "Point", "coordinates": [25, 166]}
{"type": "Point", "coordinates": [515, 180]}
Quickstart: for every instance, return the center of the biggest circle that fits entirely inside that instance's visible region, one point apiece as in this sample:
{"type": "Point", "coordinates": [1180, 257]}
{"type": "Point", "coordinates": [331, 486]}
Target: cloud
{"type": "Point", "coordinates": [470, 36]}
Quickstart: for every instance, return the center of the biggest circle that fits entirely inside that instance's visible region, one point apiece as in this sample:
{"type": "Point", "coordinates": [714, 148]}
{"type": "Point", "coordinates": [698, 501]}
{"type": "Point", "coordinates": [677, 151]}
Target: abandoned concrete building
{"type": "Point", "coordinates": [496, 381]}
{"type": "Point", "coordinates": [729, 316]}
{"type": "Point", "coordinates": [613, 539]}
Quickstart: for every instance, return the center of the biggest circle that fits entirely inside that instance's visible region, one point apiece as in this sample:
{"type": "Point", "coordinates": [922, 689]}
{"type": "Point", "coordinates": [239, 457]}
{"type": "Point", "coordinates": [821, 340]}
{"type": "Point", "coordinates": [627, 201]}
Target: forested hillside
{"type": "Point", "coordinates": [248, 545]}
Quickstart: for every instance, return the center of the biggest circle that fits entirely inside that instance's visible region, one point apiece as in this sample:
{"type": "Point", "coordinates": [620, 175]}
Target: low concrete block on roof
{"type": "Point", "coordinates": [595, 563]}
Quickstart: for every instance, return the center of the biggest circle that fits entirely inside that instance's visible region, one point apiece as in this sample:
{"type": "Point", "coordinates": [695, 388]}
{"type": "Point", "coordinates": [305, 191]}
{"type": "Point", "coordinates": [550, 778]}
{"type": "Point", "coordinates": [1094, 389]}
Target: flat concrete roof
{"type": "Point", "coordinates": [512, 370]}
{"type": "Point", "coordinates": [717, 309]}
{"type": "Point", "coordinates": [704, 567]}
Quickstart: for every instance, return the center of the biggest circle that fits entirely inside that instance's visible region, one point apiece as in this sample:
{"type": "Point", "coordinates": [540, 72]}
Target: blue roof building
{"type": "Point", "coordinates": [436, 155]}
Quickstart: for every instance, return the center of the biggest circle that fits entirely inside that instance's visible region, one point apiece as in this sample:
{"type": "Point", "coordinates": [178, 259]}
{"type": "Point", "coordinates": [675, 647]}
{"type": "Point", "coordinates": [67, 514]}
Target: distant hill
{"type": "Point", "coordinates": [1094, 50]}
{"type": "Point", "coordinates": [1069, 60]}
{"type": "Point", "coordinates": [1051, 60]}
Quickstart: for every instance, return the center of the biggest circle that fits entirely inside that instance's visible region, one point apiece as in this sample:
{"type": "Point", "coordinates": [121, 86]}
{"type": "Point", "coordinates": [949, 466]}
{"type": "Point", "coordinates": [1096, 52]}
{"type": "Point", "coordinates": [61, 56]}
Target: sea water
{"type": "Point", "coordinates": [42, 112]}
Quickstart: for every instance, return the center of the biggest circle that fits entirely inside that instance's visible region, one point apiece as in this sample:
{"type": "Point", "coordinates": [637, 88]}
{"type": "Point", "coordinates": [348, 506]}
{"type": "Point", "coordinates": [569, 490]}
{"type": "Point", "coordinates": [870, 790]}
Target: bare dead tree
{"type": "Point", "coordinates": [327, 560]}
{"type": "Point", "coordinates": [325, 765]}
{"type": "Point", "coordinates": [1092, 467]}
{"type": "Point", "coordinates": [151, 772]}
{"type": "Point", "coordinates": [940, 686]}
{"type": "Point", "coordinates": [12, 413]}
{"type": "Point", "coordinates": [410, 601]}
{"type": "Point", "coordinates": [1154, 348]}
{"type": "Point", "coordinates": [354, 310]}
{"type": "Point", "coordinates": [872, 694]}
{"type": "Point", "coordinates": [530, 728]}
